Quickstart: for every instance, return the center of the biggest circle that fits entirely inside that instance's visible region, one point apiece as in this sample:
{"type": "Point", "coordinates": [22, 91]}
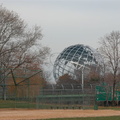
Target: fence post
{"type": "Point", "coordinates": [95, 104]}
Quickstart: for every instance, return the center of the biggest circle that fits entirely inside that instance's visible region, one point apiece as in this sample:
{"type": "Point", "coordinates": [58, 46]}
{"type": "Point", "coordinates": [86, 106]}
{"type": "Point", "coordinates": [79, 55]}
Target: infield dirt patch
{"type": "Point", "coordinates": [20, 114]}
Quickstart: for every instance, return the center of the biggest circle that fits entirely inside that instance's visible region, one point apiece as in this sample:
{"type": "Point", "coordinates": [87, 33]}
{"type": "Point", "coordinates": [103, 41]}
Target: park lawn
{"type": "Point", "coordinates": [88, 118]}
{"type": "Point", "coordinates": [110, 107]}
{"type": "Point", "coordinates": [16, 104]}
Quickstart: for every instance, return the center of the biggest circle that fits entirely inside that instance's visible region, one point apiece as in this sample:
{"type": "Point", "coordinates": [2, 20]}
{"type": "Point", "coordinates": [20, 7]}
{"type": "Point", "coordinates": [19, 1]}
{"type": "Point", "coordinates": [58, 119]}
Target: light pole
{"type": "Point", "coordinates": [82, 78]}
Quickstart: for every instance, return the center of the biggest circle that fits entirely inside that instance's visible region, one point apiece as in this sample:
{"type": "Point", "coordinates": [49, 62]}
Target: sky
{"type": "Point", "coordinates": [69, 22]}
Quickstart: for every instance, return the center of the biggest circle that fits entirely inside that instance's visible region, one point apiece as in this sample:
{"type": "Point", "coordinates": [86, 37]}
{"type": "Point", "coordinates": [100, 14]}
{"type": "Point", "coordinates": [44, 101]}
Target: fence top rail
{"type": "Point", "coordinates": [66, 96]}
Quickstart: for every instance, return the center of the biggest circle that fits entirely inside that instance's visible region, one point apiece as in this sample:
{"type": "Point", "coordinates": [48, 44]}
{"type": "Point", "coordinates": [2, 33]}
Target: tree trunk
{"type": "Point", "coordinates": [4, 93]}
{"type": "Point", "coordinates": [4, 90]}
{"type": "Point", "coordinates": [113, 95]}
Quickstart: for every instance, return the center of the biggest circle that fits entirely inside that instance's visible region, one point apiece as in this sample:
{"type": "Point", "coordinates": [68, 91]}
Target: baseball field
{"type": "Point", "coordinates": [37, 114]}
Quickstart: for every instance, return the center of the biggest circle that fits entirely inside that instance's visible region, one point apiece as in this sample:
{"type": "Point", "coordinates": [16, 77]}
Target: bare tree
{"type": "Point", "coordinates": [66, 79]}
{"type": "Point", "coordinates": [110, 49]}
{"type": "Point", "coordinates": [19, 45]}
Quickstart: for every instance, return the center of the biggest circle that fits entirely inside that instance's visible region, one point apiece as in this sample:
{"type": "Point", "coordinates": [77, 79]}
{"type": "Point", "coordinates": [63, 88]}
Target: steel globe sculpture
{"type": "Point", "coordinates": [75, 58]}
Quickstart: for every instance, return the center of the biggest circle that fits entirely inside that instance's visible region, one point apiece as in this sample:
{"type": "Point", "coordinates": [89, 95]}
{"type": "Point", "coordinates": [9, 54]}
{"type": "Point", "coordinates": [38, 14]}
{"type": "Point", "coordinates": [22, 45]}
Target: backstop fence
{"type": "Point", "coordinates": [35, 96]}
{"type": "Point", "coordinates": [66, 99]}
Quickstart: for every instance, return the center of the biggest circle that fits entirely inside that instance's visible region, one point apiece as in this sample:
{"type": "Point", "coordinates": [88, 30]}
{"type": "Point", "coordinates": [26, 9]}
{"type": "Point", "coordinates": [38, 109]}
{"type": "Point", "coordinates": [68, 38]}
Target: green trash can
{"type": "Point", "coordinates": [95, 107]}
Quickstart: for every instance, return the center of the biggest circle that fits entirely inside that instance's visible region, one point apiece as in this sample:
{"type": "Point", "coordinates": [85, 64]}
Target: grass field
{"type": "Point", "coordinates": [33, 105]}
{"type": "Point", "coordinates": [88, 118]}
{"type": "Point", "coordinates": [16, 104]}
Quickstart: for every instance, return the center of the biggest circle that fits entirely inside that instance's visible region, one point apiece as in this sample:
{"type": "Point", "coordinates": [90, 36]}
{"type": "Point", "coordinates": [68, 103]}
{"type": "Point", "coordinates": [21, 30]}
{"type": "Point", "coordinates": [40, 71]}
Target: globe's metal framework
{"type": "Point", "coordinates": [72, 58]}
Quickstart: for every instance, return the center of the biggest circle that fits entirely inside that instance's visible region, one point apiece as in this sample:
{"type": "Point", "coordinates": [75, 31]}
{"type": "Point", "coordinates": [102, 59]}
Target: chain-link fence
{"type": "Point", "coordinates": [63, 96]}
{"type": "Point", "coordinates": [21, 96]}
{"type": "Point", "coordinates": [66, 99]}
{"type": "Point", "coordinates": [33, 96]}
{"type": "Point", "coordinates": [67, 96]}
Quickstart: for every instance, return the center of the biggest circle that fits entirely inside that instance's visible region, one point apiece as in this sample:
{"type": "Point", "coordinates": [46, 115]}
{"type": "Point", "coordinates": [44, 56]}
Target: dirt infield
{"type": "Point", "coordinates": [19, 114]}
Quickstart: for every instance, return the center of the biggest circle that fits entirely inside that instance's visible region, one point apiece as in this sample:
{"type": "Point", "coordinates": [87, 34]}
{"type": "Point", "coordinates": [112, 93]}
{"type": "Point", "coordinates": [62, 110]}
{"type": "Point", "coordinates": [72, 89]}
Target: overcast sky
{"type": "Point", "coordinates": [69, 22]}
